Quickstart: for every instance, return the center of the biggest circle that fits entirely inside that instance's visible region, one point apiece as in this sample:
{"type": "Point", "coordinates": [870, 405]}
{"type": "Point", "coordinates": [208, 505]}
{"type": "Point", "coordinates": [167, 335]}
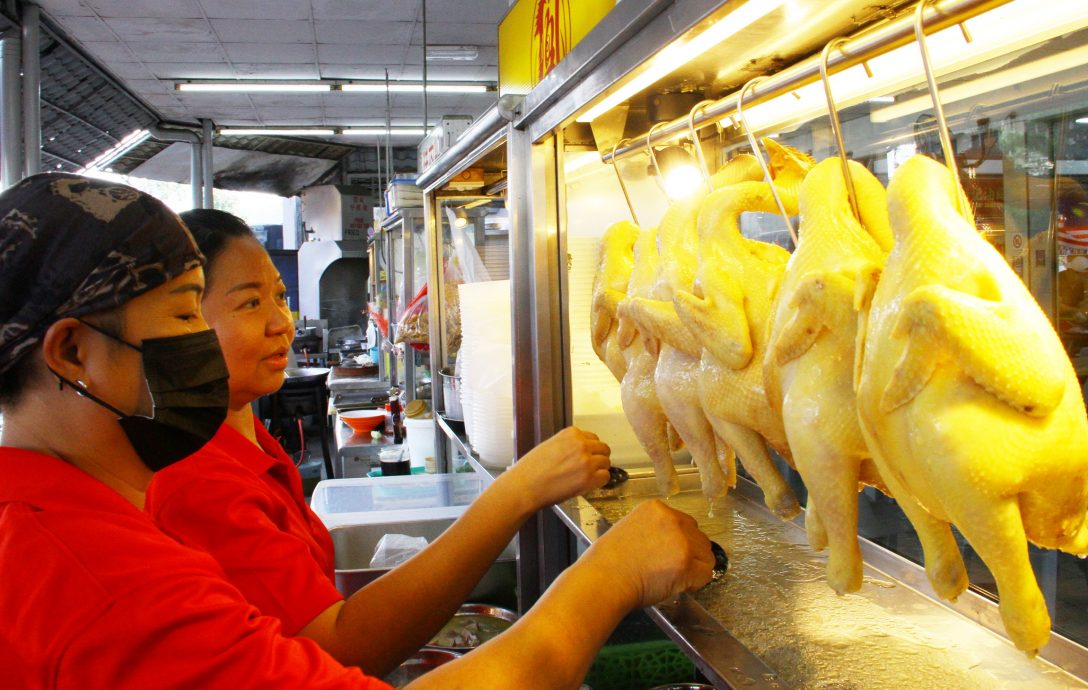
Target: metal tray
{"type": "Point", "coordinates": [772, 622]}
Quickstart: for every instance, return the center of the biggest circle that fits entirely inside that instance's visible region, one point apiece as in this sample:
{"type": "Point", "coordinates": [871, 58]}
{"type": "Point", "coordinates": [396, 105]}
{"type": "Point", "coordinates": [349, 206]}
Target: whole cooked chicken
{"type": "Point", "coordinates": [676, 376]}
{"type": "Point", "coordinates": [968, 403]}
{"type": "Point", "coordinates": [617, 259]}
{"type": "Point", "coordinates": [728, 311]}
{"type": "Point", "coordinates": [638, 392]}
{"type": "Point", "coordinates": [808, 366]}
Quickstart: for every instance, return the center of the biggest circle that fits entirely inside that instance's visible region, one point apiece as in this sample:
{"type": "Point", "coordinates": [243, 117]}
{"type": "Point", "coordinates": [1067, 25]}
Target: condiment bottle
{"type": "Point", "coordinates": [394, 414]}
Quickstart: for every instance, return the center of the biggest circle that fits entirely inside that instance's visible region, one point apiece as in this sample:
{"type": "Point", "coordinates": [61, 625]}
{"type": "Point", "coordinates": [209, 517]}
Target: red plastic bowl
{"type": "Point", "coordinates": [363, 421]}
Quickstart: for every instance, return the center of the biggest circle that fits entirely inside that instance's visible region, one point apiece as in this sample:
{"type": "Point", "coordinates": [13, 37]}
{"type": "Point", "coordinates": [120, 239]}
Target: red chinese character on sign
{"type": "Point", "coordinates": [551, 35]}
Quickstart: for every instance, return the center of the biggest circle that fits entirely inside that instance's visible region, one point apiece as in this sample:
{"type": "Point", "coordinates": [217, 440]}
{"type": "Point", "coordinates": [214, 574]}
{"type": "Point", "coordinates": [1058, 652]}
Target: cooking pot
{"type": "Point", "coordinates": [451, 394]}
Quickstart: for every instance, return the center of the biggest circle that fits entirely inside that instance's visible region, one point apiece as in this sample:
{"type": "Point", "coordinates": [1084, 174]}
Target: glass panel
{"type": "Point", "coordinates": [1021, 146]}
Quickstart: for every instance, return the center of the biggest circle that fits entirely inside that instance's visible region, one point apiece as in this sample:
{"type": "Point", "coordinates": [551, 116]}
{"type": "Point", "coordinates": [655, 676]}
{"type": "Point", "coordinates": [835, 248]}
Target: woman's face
{"type": "Point", "coordinates": [246, 303]}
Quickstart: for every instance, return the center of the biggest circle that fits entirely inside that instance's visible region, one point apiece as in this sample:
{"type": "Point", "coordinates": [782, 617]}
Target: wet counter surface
{"type": "Point", "coordinates": [772, 621]}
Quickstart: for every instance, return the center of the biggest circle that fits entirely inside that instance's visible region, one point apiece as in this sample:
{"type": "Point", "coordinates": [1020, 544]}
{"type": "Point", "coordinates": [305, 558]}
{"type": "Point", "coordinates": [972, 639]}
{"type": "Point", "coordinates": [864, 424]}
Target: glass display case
{"type": "Point", "coordinates": [400, 247]}
{"type": "Point", "coordinates": [1015, 90]}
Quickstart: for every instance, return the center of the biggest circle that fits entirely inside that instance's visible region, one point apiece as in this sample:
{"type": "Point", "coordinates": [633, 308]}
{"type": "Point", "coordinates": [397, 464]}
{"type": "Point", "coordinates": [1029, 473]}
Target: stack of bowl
{"type": "Point", "coordinates": [485, 365]}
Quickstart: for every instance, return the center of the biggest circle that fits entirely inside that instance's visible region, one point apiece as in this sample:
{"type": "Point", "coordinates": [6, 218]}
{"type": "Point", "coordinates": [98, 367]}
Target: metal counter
{"type": "Point", "coordinates": [772, 622]}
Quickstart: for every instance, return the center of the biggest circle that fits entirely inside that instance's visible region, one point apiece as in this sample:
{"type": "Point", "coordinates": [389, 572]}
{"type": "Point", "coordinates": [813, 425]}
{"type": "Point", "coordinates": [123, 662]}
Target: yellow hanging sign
{"type": "Point", "coordinates": [536, 34]}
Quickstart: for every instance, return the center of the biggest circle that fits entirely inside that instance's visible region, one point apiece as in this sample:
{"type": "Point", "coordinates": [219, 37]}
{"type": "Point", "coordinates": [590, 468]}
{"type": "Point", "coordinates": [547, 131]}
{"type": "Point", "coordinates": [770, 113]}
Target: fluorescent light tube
{"type": "Point", "coordinates": [676, 55]}
{"type": "Point", "coordinates": [274, 131]}
{"type": "Point", "coordinates": [250, 87]}
{"type": "Point", "coordinates": [439, 53]}
{"type": "Point", "coordinates": [415, 87]}
{"type": "Point", "coordinates": [382, 131]}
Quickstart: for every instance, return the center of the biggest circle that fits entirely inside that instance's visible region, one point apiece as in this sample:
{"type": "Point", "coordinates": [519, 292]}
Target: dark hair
{"type": "Point", "coordinates": [212, 229]}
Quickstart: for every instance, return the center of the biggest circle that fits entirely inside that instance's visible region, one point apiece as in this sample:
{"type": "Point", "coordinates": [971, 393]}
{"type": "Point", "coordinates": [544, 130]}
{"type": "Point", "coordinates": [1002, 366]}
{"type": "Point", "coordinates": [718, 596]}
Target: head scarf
{"type": "Point", "coordinates": [71, 245]}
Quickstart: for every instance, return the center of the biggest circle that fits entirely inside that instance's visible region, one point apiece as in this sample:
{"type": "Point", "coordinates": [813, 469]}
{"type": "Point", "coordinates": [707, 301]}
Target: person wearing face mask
{"type": "Point", "coordinates": [107, 373]}
{"type": "Point", "coordinates": [240, 498]}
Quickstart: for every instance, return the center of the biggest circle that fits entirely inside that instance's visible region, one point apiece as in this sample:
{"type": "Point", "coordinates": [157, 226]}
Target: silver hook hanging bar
{"type": "Point", "coordinates": [836, 126]}
{"type": "Point", "coordinates": [695, 143]}
{"type": "Point", "coordinates": [938, 109]}
{"type": "Point", "coordinates": [653, 158]}
{"type": "Point", "coordinates": [623, 185]}
{"type": "Point", "coordinates": [759, 156]}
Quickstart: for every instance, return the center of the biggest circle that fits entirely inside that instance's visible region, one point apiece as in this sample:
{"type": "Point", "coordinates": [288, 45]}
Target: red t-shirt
{"type": "Point", "coordinates": [244, 506]}
{"type": "Point", "coordinates": [94, 596]}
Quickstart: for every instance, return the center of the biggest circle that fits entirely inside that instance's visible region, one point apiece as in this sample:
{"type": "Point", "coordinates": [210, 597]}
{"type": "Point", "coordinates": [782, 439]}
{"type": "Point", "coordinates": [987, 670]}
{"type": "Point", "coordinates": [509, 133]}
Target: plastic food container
{"type": "Point", "coordinates": [420, 440]}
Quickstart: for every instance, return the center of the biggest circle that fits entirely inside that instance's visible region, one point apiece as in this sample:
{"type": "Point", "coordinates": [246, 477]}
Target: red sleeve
{"type": "Point", "coordinates": [233, 522]}
{"type": "Point", "coordinates": [178, 633]}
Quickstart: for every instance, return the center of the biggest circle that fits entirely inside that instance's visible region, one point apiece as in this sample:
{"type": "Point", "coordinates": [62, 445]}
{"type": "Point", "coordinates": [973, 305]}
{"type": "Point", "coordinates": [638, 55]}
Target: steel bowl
{"type": "Point", "coordinates": [419, 663]}
{"type": "Point", "coordinates": [306, 374]}
{"type": "Point", "coordinates": [480, 610]}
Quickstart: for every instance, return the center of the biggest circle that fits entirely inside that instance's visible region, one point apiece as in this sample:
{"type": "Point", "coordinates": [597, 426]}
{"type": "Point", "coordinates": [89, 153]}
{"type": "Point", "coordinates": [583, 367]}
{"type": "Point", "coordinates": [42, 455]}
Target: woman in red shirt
{"type": "Point", "coordinates": [240, 498]}
{"type": "Point", "coordinates": [108, 372]}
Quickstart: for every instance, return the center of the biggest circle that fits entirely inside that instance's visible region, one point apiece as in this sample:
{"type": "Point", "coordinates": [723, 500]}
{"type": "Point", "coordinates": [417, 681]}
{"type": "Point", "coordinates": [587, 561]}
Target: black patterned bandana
{"type": "Point", "coordinates": [71, 245]}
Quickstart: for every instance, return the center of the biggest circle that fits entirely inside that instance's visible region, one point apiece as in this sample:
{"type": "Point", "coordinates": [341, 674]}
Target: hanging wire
{"type": "Point", "coordinates": [938, 109]}
{"type": "Point", "coordinates": [653, 158]}
{"type": "Point", "coordinates": [623, 185]}
{"type": "Point", "coordinates": [695, 144]}
{"type": "Point", "coordinates": [836, 126]}
{"type": "Point", "coordinates": [758, 153]}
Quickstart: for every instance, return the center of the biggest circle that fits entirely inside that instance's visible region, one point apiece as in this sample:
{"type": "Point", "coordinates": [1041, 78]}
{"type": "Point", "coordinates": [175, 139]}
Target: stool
{"type": "Point", "coordinates": [294, 401]}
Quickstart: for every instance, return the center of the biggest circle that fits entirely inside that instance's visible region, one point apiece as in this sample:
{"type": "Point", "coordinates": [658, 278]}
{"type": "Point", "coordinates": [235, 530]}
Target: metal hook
{"type": "Point", "coordinates": [653, 157]}
{"type": "Point", "coordinates": [623, 186]}
{"type": "Point", "coordinates": [836, 126]}
{"type": "Point", "coordinates": [759, 156]}
{"type": "Point", "coordinates": [697, 146]}
{"type": "Point", "coordinates": [938, 110]}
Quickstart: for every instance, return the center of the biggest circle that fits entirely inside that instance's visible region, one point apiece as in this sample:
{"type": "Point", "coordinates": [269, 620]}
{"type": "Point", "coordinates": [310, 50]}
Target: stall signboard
{"type": "Point", "coordinates": [536, 34]}
{"type": "Point", "coordinates": [441, 138]}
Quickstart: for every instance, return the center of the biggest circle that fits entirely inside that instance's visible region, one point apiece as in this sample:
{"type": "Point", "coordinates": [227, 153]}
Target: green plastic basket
{"type": "Point", "coordinates": [639, 666]}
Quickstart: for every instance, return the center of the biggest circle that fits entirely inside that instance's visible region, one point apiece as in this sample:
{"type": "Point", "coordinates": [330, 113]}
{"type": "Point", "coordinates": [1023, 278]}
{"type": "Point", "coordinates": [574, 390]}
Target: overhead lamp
{"type": "Point", "coordinates": [252, 86]}
{"type": "Point", "coordinates": [126, 144]}
{"type": "Point", "coordinates": [415, 87]}
{"type": "Point", "coordinates": [1082, 120]}
{"type": "Point", "coordinates": [382, 131]}
{"type": "Point", "coordinates": [276, 131]}
{"type": "Point", "coordinates": [679, 175]}
{"type": "Point", "coordinates": [999, 32]}
{"type": "Point", "coordinates": [444, 53]}
{"type": "Point", "coordinates": [677, 55]}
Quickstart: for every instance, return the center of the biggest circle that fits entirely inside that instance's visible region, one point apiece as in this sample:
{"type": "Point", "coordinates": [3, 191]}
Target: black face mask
{"type": "Point", "coordinates": [187, 378]}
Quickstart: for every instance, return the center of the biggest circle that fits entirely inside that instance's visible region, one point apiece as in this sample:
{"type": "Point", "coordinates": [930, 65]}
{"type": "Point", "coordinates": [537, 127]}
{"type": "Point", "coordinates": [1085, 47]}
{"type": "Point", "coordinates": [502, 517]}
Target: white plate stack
{"type": "Point", "coordinates": [486, 370]}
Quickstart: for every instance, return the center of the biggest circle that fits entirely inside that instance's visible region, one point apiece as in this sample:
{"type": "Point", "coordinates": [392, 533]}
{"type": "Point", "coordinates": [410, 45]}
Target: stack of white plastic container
{"type": "Point", "coordinates": [486, 370]}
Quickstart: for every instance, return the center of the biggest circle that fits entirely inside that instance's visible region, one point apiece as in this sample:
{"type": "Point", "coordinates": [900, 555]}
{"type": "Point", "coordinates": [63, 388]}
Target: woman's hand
{"type": "Point", "coordinates": [655, 552]}
{"type": "Point", "coordinates": [571, 463]}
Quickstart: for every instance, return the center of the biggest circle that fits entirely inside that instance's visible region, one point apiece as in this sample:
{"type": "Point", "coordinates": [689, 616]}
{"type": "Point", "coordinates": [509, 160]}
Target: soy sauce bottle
{"type": "Point", "coordinates": [395, 415]}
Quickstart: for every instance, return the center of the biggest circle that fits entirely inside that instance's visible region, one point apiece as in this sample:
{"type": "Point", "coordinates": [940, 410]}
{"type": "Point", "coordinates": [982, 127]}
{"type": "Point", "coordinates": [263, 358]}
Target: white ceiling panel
{"type": "Point", "coordinates": [264, 70]}
{"type": "Point", "coordinates": [268, 31]}
{"type": "Point", "coordinates": [68, 8]}
{"type": "Point", "coordinates": [131, 70]}
{"type": "Point", "coordinates": [458, 33]}
{"type": "Point", "coordinates": [165, 30]}
{"type": "Point", "coordinates": [171, 71]}
{"type": "Point", "coordinates": [271, 52]}
{"type": "Point", "coordinates": [162, 100]}
{"type": "Point", "coordinates": [482, 11]}
{"type": "Point", "coordinates": [357, 71]}
{"type": "Point", "coordinates": [150, 85]}
{"type": "Point", "coordinates": [353, 31]}
{"type": "Point", "coordinates": [199, 101]}
{"type": "Point", "coordinates": [92, 29]}
{"type": "Point", "coordinates": [108, 52]}
{"type": "Point", "coordinates": [247, 9]}
{"type": "Point", "coordinates": [372, 10]}
{"type": "Point", "coordinates": [359, 53]}
{"type": "Point", "coordinates": [153, 52]}
{"type": "Point", "coordinates": [175, 9]}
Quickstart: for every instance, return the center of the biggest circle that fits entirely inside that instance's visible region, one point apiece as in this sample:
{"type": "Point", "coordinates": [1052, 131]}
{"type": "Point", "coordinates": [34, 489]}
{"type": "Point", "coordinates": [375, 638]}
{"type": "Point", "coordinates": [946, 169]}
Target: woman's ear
{"type": "Point", "coordinates": [64, 348]}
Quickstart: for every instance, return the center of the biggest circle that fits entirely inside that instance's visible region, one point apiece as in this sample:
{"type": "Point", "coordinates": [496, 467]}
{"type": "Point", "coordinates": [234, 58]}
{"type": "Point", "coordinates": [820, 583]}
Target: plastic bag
{"type": "Point", "coordinates": [414, 322]}
{"type": "Point", "coordinates": [375, 313]}
{"type": "Point", "coordinates": [394, 549]}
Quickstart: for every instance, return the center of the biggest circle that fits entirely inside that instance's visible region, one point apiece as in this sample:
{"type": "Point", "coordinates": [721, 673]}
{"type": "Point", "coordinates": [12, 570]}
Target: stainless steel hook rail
{"type": "Point", "coordinates": [856, 50]}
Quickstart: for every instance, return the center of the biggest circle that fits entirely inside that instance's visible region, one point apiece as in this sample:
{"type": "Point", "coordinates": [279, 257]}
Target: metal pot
{"type": "Point", "coordinates": [451, 394]}
{"type": "Point", "coordinates": [305, 374]}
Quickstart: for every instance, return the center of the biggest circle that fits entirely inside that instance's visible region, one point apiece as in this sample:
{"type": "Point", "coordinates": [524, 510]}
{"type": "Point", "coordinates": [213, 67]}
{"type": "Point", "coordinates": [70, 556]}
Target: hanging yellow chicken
{"type": "Point", "coordinates": [968, 403]}
{"type": "Point", "coordinates": [728, 311]}
{"type": "Point", "coordinates": [617, 259]}
{"type": "Point", "coordinates": [809, 364]}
